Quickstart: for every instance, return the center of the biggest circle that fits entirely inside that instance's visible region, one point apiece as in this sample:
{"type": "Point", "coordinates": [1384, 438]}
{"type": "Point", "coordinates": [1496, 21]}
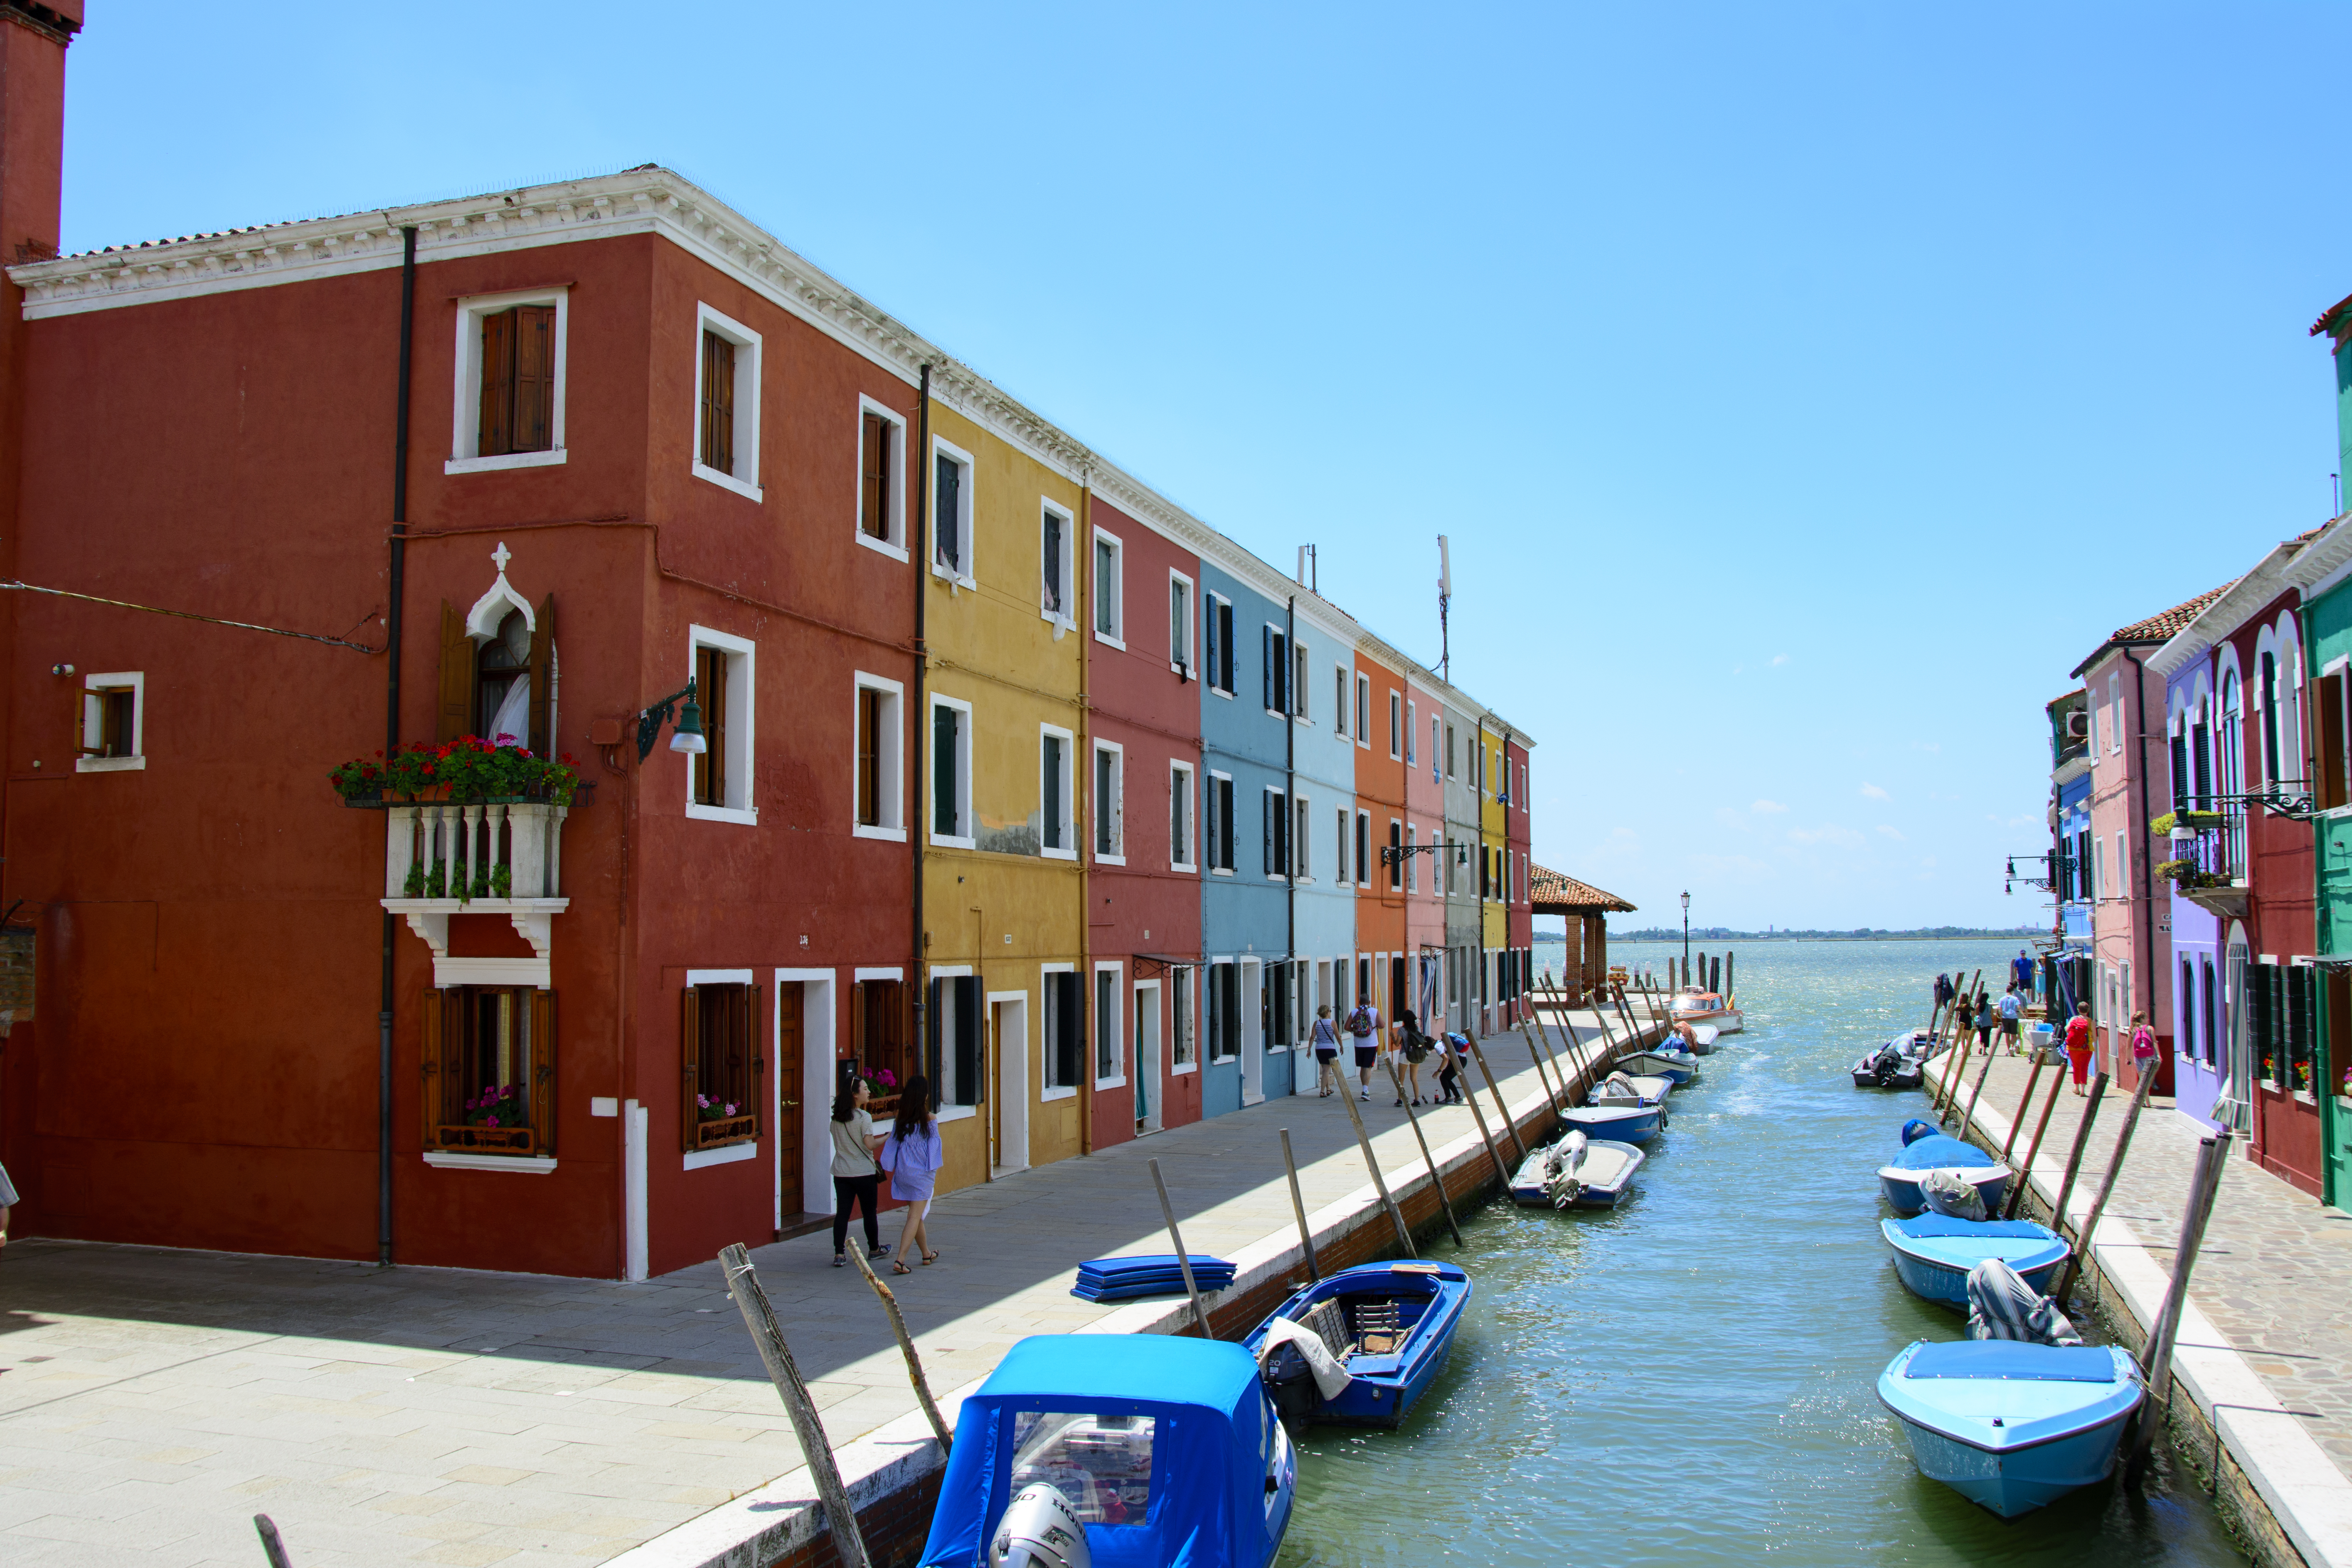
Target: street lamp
{"type": "Point", "coordinates": [688, 736]}
{"type": "Point", "coordinates": [1687, 936]}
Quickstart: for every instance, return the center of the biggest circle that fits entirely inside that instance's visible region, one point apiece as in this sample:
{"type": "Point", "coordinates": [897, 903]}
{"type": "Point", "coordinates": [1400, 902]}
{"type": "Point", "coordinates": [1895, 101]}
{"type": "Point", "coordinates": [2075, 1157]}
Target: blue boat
{"type": "Point", "coordinates": [1678, 1065]}
{"type": "Point", "coordinates": [1161, 1450]}
{"type": "Point", "coordinates": [1559, 1176]}
{"type": "Point", "coordinates": [2010, 1424]}
{"type": "Point", "coordinates": [1900, 1180]}
{"type": "Point", "coordinates": [1623, 1123]}
{"type": "Point", "coordinates": [1934, 1252]}
{"type": "Point", "coordinates": [1391, 1325]}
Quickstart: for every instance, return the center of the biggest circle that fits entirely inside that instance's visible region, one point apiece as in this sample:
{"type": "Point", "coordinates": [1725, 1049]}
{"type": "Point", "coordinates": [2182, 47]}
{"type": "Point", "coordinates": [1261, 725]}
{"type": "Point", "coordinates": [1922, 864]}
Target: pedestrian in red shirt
{"type": "Point", "coordinates": [2078, 1043]}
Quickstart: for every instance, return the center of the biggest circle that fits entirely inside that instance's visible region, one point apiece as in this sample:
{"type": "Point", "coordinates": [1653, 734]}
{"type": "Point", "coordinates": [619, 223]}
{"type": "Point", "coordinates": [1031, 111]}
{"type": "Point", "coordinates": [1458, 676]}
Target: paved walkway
{"type": "Point", "coordinates": [2275, 1271]}
{"type": "Point", "coordinates": [152, 1401]}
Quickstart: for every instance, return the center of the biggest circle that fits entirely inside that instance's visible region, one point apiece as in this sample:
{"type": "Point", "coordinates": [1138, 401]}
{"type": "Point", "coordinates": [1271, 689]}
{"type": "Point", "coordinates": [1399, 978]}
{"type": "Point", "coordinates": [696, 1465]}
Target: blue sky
{"type": "Point", "coordinates": [1806, 389]}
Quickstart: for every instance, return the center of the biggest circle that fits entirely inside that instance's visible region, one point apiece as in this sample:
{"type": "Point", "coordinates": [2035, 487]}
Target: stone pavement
{"type": "Point", "coordinates": [2275, 1271]}
{"type": "Point", "coordinates": [152, 1401]}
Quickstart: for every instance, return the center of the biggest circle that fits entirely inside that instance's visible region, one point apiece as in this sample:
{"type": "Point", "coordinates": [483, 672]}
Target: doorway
{"type": "Point", "coordinates": [1007, 1113]}
{"type": "Point", "coordinates": [789, 1092]}
{"type": "Point", "coordinates": [1151, 1079]}
{"type": "Point", "coordinates": [1253, 979]}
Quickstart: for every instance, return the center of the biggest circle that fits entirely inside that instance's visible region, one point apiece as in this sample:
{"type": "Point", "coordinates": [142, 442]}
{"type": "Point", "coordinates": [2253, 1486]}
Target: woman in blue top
{"type": "Point", "coordinates": [913, 1155]}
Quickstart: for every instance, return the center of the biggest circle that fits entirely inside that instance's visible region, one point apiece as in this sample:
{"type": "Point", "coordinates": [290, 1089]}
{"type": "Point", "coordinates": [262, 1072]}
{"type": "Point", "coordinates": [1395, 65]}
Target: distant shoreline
{"type": "Point", "coordinates": [1545, 939]}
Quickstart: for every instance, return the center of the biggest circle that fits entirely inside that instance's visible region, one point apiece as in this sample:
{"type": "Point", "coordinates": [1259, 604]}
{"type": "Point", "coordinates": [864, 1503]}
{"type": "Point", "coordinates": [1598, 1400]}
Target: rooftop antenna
{"type": "Point", "coordinates": [1444, 599]}
{"type": "Point", "coordinates": [1310, 569]}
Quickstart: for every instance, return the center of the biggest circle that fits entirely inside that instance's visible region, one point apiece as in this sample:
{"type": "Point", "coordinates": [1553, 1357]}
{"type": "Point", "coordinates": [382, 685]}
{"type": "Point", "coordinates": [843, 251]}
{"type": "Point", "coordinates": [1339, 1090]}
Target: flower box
{"type": "Point", "coordinates": [720, 1131]}
{"type": "Point", "coordinates": [485, 1141]}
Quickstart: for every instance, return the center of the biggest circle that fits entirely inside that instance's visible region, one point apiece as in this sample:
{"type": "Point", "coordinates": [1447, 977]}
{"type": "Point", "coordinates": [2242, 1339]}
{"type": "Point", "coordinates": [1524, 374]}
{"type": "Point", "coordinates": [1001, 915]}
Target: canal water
{"type": "Point", "coordinates": [1689, 1379]}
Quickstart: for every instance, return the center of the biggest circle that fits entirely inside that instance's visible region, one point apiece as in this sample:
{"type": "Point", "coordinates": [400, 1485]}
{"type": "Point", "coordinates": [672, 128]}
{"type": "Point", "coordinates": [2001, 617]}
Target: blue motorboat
{"type": "Point", "coordinates": [1899, 1181]}
{"type": "Point", "coordinates": [1678, 1065]}
{"type": "Point", "coordinates": [1576, 1172]}
{"type": "Point", "coordinates": [1622, 1087]}
{"type": "Point", "coordinates": [1161, 1450]}
{"type": "Point", "coordinates": [1934, 1252]}
{"type": "Point", "coordinates": [1622, 1123]}
{"type": "Point", "coordinates": [1390, 1327]}
{"type": "Point", "coordinates": [2011, 1425]}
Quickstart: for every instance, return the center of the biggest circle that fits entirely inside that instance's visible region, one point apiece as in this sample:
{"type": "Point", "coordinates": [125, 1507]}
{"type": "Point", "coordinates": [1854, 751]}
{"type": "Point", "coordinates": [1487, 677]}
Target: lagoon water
{"type": "Point", "coordinates": [1689, 1379]}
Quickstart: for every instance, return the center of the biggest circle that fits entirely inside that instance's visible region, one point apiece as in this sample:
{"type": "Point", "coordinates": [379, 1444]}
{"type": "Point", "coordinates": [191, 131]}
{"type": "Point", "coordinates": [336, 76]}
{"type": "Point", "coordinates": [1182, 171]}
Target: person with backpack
{"type": "Point", "coordinates": [1453, 1057]}
{"type": "Point", "coordinates": [2143, 1045]}
{"type": "Point", "coordinates": [1411, 1049]}
{"type": "Point", "coordinates": [1325, 1037]}
{"type": "Point", "coordinates": [1364, 1030]}
{"type": "Point", "coordinates": [2078, 1043]}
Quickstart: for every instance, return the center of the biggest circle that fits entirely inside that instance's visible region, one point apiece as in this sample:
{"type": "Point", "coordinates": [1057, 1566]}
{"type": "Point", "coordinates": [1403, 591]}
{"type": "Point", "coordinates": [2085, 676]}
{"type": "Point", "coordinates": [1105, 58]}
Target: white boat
{"type": "Point", "coordinates": [1576, 1172]}
{"type": "Point", "coordinates": [1693, 1007]}
{"type": "Point", "coordinates": [1630, 1089]}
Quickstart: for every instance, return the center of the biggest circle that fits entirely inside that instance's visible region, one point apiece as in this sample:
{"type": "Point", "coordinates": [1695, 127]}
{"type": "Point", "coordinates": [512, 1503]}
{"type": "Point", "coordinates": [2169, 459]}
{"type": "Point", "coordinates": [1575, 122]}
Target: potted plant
{"type": "Point", "coordinates": [360, 782]}
{"type": "Point", "coordinates": [499, 1106]}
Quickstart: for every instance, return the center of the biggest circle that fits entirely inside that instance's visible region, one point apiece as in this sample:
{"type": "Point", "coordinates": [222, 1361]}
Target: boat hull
{"type": "Point", "coordinates": [2022, 1479]}
{"type": "Point", "coordinates": [1680, 1068]}
{"type": "Point", "coordinates": [2007, 1441]}
{"type": "Point", "coordinates": [1608, 1171]}
{"type": "Point", "coordinates": [1622, 1123]}
{"type": "Point", "coordinates": [1383, 1389]}
{"type": "Point", "coordinates": [1910, 1074]}
{"type": "Point", "coordinates": [1899, 1185]}
{"type": "Point", "coordinates": [1936, 1268]}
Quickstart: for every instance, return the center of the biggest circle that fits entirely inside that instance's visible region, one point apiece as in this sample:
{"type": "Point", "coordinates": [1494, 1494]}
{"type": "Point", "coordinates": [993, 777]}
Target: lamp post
{"type": "Point", "coordinates": [1685, 936]}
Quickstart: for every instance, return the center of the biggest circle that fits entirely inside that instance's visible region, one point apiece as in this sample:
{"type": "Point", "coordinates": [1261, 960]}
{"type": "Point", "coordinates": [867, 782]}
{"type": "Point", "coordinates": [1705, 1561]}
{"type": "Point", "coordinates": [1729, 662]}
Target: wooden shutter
{"type": "Point", "coordinates": [931, 1042]}
{"type": "Point", "coordinates": [869, 756]}
{"type": "Point", "coordinates": [718, 403]}
{"type": "Point", "coordinates": [441, 1028]}
{"type": "Point", "coordinates": [1266, 820]}
{"type": "Point", "coordinates": [2327, 740]}
{"type": "Point", "coordinates": [455, 714]}
{"type": "Point", "coordinates": [755, 1083]}
{"type": "Point", "coordinates": [967, 1042]}
{"type": "Point", "coordinates": [710, 695]}
{"type": "Point", "coordinates": [534, 378]}
{"type": "Point", "coordinates": [495, 430]}
{"type": "Point", "coordinates": [543, 677]}
{"type": "Point", "coordinates": [1266, 659]}
{"type": "Point", "coordinates": [1214, 642]}
{"type": "Point", "coordinates": [860, 1037]}
{"type": "Point", "coordinates": [689, 1054]}
{"type": "Point", "coordinates": [874, 487]}
{"type": "Point", "coordinates": [542, 1072]}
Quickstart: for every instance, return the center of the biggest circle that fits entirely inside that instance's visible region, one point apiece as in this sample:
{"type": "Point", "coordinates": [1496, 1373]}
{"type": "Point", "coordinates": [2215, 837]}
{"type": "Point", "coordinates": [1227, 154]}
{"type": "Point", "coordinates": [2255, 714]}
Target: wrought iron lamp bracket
{"type": "Point", "coordinates": [650, 721]}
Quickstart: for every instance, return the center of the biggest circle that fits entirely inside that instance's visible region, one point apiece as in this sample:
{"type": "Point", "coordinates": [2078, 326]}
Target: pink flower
{"type": "Point", "coordinates": [731, 1110]}
{"type": "Point", "coordinates": [491, 1121]}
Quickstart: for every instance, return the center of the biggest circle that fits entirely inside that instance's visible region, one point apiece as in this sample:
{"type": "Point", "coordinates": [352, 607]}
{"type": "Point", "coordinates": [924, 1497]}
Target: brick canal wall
{"type": "Point", "coordinates": [893, 1474]}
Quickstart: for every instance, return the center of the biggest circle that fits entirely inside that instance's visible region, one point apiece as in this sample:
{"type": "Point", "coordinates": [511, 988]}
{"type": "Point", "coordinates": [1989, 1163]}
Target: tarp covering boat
{"type": "Point", "coordinates": [1147, 1274]}
{"type": "Point", "coordinates": [2002, 1306]}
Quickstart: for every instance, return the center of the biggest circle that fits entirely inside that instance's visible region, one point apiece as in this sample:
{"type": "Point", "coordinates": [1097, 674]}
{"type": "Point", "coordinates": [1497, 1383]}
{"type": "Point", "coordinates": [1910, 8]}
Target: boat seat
{"type": "Point", "coordinates": [2013, 1359]}
{"type": "Point", "coordinates": [1331, 1327]}
{"type": "Point", "coordinates": [1378, 1331]}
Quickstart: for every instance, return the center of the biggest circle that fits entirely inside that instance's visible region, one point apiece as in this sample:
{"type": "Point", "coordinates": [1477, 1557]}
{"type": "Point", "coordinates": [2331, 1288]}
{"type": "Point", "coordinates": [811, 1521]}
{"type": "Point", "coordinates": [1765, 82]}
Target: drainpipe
{"type": "Point", "coordinates": [2146, 921]}
{"type": "Point", "coordinates": [1084, 589]}
{"type": "Point", "coordinates": [398, 583]}
{"type": "Point", "coordinates": [1290, 828]}
{"type": "Point", "coordinates": [919, 537]}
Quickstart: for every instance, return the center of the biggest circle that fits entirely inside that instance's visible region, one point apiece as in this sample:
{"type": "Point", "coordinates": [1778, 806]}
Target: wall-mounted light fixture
{"type": "Point", "coordinates": [687, 737]}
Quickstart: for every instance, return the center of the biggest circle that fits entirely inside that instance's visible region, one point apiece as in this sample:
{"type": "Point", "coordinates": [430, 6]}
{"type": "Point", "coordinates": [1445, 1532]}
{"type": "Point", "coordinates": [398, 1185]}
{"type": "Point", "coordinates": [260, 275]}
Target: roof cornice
{"type": "Point", "coordinates": [2271, 577]}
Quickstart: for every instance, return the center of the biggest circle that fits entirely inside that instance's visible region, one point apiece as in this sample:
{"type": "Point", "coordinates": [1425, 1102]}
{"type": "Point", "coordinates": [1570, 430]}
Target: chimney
{"type": "Point", "coordinates": [33, 39]}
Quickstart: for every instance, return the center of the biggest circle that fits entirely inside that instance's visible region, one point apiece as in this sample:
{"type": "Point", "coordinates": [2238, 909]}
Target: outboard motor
{"type": "Point", "coordinates": [2002, 1306]}
{"type": "Point", "coordinates": [1040, 1530]}
{"type": "Point", "coordinates": [1562, 1183]}
{"type": "Point", "coordinates": [1887, 1064]}
{"type": "Point", "coordinates": [1914, 1130]}
{"type": "Point", "coordinates": [1290, 1384]}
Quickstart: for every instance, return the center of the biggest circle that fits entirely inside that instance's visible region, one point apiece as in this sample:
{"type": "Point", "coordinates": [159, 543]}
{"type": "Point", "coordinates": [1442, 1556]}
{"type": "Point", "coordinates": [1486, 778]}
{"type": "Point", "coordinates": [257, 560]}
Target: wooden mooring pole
{"type": "Point", "coordinates": [1183, 1258]}
{"type": "Point", "coordinates": [2074, 1155]}
{"type": "Point", "coordinates": [1555, 1095]}
{"type": "Point", "coordinates": [2156, 1358]}
{"type": "Point", "coordinates": [1437, 1177]}
{"type": "Point", "coordinates": [1502, 1108]}
{"type": "Point", "coordinates": [1380, 1184]}
{"type": "Point", "coordinates": [1298, 1206]}
{"type": "Point", "coordinates": [2024, 1104]}
{"type": "Point", "coordinates": [271, 1546]}
{"type": "Point", "coordinates": [1479, 1113]}
{"type": "Point", "coordinates": [906, 1342]}
{"type": "Point", "coordinates": [2106, 1188]}
{"type": "Point", "coordinates": [2033, 1149]}
{"type": "Point", "coordinates": [743, 1285]}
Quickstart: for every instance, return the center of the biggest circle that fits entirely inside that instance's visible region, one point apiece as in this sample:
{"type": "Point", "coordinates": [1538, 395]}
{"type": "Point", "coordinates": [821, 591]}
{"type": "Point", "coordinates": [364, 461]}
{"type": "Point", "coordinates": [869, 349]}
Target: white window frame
{"type": "Point", "coordinates": [963, 774]}
{"type": "Point", "coordinates": [1070, 816]}
{"type": "Point", "coordinates": [1048, 1093]}
{"type": "Point", "coordinates": [743, 689]}
{"type": "Point", "coordinates": [1182, 804]}
{"type": "Point", "coordinates": [1412, 723]}
{"type": "Point", "coordinates": [1117, 970]}
{"type": "Point", "coordinates": [1115, 806]}
{"type": "Point", "coordinates": [745, 480]}
{"type": "Point", "coordinates": [1267, 640]}
{"type": "Point", "coordinates": [962, 577]}
{"type": "Point", "coordinates": [950, 1111]}
{"type": "Point", "coordinates": [892, 761]}
{"type": "Point", "coordinates": [1412, 874]}
{"type": "Point", "coordinates": [1208, 851]}
{"type": "Point", "coordinates": [894, 547]}
{"type": "Point", "coordinates": [1302, 839]}
{"type": "Point", "coordinates": [1269, 813]}
{"type": "Point", "coordinates": [1210, 601]}
{"type": "Point", "coordinates": [466, 431]}
{"type": "Point", "coordinates": [135, 682]}
{"type": "Point", "coordinates": [1363, 711]}
{"type": "Point", "coordinates": [1189, 988]}
{"type": "Point", "coordinates": [1399, 725]}
{"type": "Point", "coordinates": [1066, 617]}
{"type": "Point", "coordinates": [1339, 877]}
{"type": "Point", "coordinates": [1340, 717]}
{"type": "Point", "coordinates": [1302, 681]}
{"type": "Point", "coordinates": [2116, 703]}
{"type": "Point", "coordinates": [1182, 660]}
{"type": "Point", "coordinates": [1364, 861]}
{"type": "Point", "coordinates": [1116, 636]}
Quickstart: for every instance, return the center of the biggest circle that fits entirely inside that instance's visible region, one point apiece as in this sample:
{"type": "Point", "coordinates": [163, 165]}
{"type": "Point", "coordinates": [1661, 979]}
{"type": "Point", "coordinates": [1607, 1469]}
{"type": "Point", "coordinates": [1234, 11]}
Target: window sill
{"type": "Point", "coordinates": [546, 459]}
{"type": "Point", "coordinates": [1185, 871]}
{"type": "Point", "coordinates": [1058, 854]}
{"type": "Point", "coordinates": [743, 816]}
{"type": "Point", "coordinates": [947, 1113]}
{"type": "Point", "coordinates": [1183, 1069]}
{"type": "Point", "coordinates": [1058, 620]}
{"type": "Point", "coordinates": [1118, 1082]}
{"type": "Point", "coordinates": [522, 1165]}
{"type": "Point", "coordinates": [895, 835]}
{"type": "Point", "coordinates": [724, 1154]}
{"type": "Point", "coordinates": [728, 481]}
{"type": "Point", "coordinates": [1221, 691]}
{"type": "Point", "coordinates": [949, 841]}
{"type": "Point", "coordinates": [1110, 859]}
{"type": "Point", "coordinates": [1178, 667]}
{"type": "Point", "coordinates": [1221, 870]}
{"type": "Point", "coordinates": [109, 764]}
{"type": "Point", "coordinates": [1109, 641]}
{"type": "Point", "coordinates": [1047, 1095]}
{"type": "Point", "coordinates": [883, 547]}
{"type": "Point", "coordinates": [955, 580]}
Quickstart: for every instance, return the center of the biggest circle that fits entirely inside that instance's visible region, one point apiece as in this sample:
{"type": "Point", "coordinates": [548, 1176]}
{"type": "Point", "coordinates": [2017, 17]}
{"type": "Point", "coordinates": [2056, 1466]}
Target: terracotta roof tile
{"type": "Point", "coordinates": [1557, 893]}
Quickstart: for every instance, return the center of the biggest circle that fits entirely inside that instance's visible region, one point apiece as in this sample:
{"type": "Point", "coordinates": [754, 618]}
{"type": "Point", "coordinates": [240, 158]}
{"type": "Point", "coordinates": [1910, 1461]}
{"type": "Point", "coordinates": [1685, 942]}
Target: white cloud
{"type": "Point", "coordinates": [1780, 658]}
{"type": "Point", "coordinates": [1841, 835]}
{"type": "Point", "coordinates": [1872, 792]}
{"type": "Point", "coordinates": [1768, 805]}
{"type": "Point", "coordinates": [1927, 745]}
{"type": "Point", "coordinates": [1894, 833]}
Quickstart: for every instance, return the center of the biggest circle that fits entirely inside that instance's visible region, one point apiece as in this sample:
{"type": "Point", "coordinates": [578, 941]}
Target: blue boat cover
{"type": "Point", "coordinates": [1212, 1445]}
{"type": "Point", "coordinates": [1914, 1130]}
{"type": "Point", "coordinates": [1153, 1263]}
{"type": "Point", "coordinates": [2013, 1359]}
{"type": "Point", "coordinates": [1936, 1149]}
{"type": "Point", "coordinates": [1921, 1228]}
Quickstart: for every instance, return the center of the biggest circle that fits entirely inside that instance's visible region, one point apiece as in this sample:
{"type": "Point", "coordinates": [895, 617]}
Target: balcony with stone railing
{"type": "Point", "coordinates": [477, 857]}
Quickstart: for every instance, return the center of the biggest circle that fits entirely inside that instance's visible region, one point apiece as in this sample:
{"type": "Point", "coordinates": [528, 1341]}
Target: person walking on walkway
{"type": "Point", "coordinates": [1364, 1029]}
{"type": "Point", "coordinates": [2078, 1043]}
{"type": "Point", "coordinates": [2012, 1006]}
{"type": "Point", "coordinates": [1984, 1020]}
{"type": "Point", "coordinates": [1409, 1049]}
{"type": "Point", "coordinates": [913, 1155]}
{"type": "Point", "coordinates": [1452, 1057]}
{"type": "Point", "coordinates": [2020, 972]}
{"type": "Point", "coordinates": [2143, 1046]}
{"type": "Point", "coordinates": [1965, 1014]}
{"type": "Point", "coordinates": [1325, 1037]}
{"type": "Point", "coordinates": [856, 1174]}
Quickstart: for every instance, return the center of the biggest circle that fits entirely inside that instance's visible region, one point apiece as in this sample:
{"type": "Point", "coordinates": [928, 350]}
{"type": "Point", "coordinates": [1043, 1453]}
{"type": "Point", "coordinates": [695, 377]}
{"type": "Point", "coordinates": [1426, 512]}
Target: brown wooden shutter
{"type": "Point", "coordinates": [542, 1072]}
{"type": "Point", "coordinates": [457, 710]}
{"type": "Point", "coordinates": [543, 677]}
{"type": "Point", "coordinates": [710, 765]}
{"type": "Point", "coordinates": [441, 1028]}
{"type": "Point", "coordinates": [718, 403]}
{"type": "Point", "coordinates": [2327, 740]}
{"type": "Point", "coordinates": [689, 1050]}
{"type": "Point", "coordinates": [755, 1085]}
{"type": "Point", "coordinates": [495, 429]}
{"type": "Point", "coordinates": [873, 492]}
{"type": "Point", "coordinates": [534, 378]}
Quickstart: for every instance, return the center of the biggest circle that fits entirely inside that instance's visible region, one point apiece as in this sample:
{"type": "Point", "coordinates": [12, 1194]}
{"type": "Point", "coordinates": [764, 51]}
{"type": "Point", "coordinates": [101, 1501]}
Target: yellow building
{"type": "Point", "coordinates": [1002, 730]}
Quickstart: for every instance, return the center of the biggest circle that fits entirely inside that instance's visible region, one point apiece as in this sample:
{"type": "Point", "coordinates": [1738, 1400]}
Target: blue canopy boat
{"type": "Point", "coordinates": [1390, 1327]}
{"type": "Point", "coordinates": [1165, 1449]}
{"type": "Point", "coordinates": [1623, 1123]}
{"type": "Point", "coordinates": [2011, 1425]}
{"type": "Point", "coordinates": [1934, 1252]}
{"type": "Point", "coordinates": [1899, 1181]}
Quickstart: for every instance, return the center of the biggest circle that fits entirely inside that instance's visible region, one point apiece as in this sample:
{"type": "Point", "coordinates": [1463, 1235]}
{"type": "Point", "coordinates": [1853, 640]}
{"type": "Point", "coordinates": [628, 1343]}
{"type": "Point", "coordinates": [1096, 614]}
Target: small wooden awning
{"type": "Point", "coordinates": [1557, 893]}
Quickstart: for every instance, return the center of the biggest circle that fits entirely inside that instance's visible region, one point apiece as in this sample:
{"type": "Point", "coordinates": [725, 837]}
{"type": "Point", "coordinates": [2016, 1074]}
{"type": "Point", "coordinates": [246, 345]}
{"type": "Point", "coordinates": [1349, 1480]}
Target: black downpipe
{"type": "Point", "coordinates": [392, 728]}
{"type": "Point", "coordinates": [1291, 809]}
{"type": "Point", "coordinates": [919, 543]}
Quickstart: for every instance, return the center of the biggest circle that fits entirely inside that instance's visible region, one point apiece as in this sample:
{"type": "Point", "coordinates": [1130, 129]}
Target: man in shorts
{"type": "Point", "coordinates": [2012, 1007]}
{"type": "Point", "coordinates": [1364, 1034]}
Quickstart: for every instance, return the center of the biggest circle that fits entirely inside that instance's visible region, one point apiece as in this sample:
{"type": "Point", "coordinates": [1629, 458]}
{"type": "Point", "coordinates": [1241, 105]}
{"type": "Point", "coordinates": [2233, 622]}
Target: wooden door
{"type": "Point", "coordinates": [788, 1118]}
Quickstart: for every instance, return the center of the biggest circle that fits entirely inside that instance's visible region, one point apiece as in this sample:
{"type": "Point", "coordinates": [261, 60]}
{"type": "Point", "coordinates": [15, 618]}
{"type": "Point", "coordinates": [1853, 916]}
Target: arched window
{"type": "Point", "coordinates": [2270, 717]}
{"type": "Point", "coordinates": [502, 685]}
{"type": "Point", "coordinates": [2200, 754]}
{"type": "Point", "coordinates": [2231, 758]}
